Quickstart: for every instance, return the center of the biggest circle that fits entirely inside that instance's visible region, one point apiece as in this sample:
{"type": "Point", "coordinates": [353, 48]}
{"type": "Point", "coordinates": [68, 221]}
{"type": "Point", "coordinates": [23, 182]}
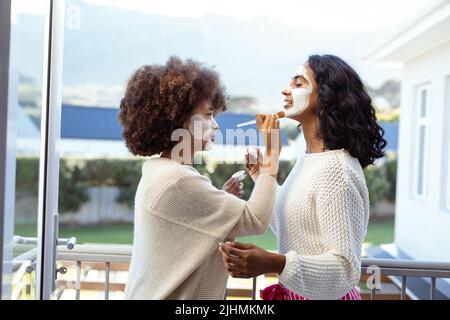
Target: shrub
{"type": "Point", "coordinates": [376, 183]}
{"type": "Point", "coordinates": [73, 186]}
{"type": "Point", "coordinates": [77, 175]}
{"type": "Point", "coordinates": [127, 178]}
{"type": "Point", "coordinates": [27, 175]}
{"type": "Point", "coordinates": [391, 178]}
{"type": "Point", "coordinates": [73, 182]}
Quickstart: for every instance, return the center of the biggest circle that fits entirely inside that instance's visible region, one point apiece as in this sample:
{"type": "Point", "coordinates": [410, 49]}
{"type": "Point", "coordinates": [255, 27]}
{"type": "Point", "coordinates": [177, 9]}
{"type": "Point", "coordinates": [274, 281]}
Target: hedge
{"type": "Point", "coordinates": [77, 175]}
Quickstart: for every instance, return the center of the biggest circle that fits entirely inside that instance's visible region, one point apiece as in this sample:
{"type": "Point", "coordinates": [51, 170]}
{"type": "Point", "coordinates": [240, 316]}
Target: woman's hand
{"type": "Point", "coordinates": [269, 129]}
{"type": "Point", "coordinates": [253, 164]}
{"type": "Point", "coordinates": [244, 260]}
{"type": "Point", "coordinates": [234, 186]}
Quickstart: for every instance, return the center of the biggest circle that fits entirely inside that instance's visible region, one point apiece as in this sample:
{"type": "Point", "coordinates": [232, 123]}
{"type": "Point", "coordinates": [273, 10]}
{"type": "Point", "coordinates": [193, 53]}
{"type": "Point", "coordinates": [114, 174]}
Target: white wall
{"type": "Point", "coordinates": [422, 227]}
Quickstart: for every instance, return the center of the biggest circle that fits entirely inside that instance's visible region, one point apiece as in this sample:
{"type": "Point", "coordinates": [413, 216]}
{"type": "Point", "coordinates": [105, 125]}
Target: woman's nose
{"type": "Point", "coordinates": [286, 91]}
{"type": "Point", "coordinates": [215, 125]}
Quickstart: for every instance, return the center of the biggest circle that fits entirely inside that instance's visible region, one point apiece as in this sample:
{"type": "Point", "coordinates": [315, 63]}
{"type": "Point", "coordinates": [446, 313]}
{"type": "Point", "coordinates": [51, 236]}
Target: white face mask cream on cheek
{"type": "Point", "coordinates": [300, 96]}
{"type": "Point", "coordinates": [209, 132]}
{"type": "Point", "coordinates": [202, 129]}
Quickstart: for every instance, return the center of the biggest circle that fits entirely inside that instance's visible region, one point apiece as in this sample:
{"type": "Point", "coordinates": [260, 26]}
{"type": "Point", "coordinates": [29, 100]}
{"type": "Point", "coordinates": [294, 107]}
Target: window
{"type": "Point", "coordinates": [448, 173]}
{"type": "Point", "coordinates": [447, 142]}
{"type": "Point", "coordinates": [25, 89]}
{"type": "Point", "coordinates": [422, 111]}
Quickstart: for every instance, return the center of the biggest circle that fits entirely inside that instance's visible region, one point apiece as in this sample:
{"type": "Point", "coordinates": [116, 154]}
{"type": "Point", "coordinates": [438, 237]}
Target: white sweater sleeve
{"type": "Point", "coordinates": [200, 206]}
{"type": "Point", "coordinates": [331, 274]}
{"type": "Point", "coordinates": [273, 221]}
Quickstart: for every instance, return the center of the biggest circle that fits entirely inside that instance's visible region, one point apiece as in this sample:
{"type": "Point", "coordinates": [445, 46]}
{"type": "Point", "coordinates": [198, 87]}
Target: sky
{"type": "Point", "coordinates": [315, 14]}
{"type": "Point", "coordinates": [321, 15]}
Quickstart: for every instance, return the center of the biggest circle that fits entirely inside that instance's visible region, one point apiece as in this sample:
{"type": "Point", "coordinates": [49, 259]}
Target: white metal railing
{"type": "Point", "coordinates": [405, 269]}
{"type": "Point", "coordinates": [375, 268]}
{"type": "Point", "coordinates": [106, 254]}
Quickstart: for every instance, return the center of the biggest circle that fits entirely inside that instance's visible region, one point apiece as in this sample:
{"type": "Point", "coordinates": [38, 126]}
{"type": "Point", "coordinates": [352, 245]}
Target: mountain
{"type": "Point", "coordinates": [255, 58]}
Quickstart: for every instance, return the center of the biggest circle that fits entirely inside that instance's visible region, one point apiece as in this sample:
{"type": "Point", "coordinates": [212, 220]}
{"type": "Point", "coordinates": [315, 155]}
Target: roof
{"type": "Point", "coordinates": [80, 122]}
{"type": "Point", "coordinates": [425, 31]}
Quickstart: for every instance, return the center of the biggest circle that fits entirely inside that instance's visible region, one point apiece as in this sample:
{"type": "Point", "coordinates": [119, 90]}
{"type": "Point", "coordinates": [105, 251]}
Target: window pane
{"type": "Point", "coordinates": [423, 103]}
{"type": "Point", "coordinates": [421, 156]}
{"type": "Point", "coordinates": [447, 126]}
{"type": "Point", "coordinates": [27, 47]}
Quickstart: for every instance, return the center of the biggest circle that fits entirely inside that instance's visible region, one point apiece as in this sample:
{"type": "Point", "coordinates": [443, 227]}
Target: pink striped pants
{"type": "Point", "coordinates": [280, 292]}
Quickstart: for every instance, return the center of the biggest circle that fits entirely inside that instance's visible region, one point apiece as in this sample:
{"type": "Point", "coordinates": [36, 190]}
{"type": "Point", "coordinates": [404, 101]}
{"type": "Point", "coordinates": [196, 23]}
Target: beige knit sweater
{"type": "Point", "coordinates": [320, 219]}
{"type": "Point", "coordinates": [180, 218]}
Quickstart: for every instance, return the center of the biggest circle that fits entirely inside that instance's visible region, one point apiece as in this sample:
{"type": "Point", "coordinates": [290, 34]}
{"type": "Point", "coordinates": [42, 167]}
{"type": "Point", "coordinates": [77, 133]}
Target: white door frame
{"type": "Point", "coordinates": [7, 155]}
{"type": "Point", "coordinates": [49, 158]}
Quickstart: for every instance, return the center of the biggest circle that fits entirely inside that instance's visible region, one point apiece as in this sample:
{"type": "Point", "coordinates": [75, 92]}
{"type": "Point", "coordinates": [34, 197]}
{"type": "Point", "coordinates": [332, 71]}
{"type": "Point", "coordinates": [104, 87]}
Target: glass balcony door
{"type": "Point", "coordinates": [30, 37]}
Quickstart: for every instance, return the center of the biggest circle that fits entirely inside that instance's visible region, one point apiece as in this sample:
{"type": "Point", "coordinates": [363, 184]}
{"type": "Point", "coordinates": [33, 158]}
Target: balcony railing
{"type": "Point", "coordinates": [113, 258]}
{"type": "Point", "coordinates": [105, 254]}
{"type": "Point", "coordinates": [404, 269]}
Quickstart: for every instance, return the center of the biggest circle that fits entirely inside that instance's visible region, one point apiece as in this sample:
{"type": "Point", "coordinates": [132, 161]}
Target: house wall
{"type": "Point", "coordinates": [422, 227]}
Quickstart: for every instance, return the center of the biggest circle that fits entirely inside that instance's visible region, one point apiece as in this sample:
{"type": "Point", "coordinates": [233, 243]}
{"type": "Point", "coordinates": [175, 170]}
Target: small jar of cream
{"type": "Point", "coordinates": [240, 175]}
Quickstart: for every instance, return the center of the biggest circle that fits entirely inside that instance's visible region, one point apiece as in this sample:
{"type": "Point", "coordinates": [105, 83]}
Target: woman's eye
{"type": "Point", "coordinates": [296, 83]}
{"type": "Point", "coordinates": [209, 115]}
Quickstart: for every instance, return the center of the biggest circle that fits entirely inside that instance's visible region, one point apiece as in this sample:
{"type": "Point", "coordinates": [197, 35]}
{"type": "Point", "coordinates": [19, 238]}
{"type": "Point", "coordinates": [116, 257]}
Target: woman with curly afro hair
{"type": "Point", "coordinates": [321, 211]}
{"type": "Point", "coordinates": [180, 217]}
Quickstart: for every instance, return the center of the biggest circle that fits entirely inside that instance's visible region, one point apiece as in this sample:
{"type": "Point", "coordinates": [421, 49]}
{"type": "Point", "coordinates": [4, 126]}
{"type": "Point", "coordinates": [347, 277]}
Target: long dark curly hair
{"type": "Point", "coordinates": [347, 116]}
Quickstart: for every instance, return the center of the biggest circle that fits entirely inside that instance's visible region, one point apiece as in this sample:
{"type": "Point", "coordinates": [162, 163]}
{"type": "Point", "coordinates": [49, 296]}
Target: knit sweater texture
{"type": "Point", "coordinates": [180, 218]}
{"type": "Point", "coordinates": [320, 219]}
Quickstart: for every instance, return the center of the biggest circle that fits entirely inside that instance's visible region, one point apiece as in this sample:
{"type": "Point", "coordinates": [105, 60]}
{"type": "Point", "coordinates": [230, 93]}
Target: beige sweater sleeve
{"type": "Point", "coordinates": [256, 218]}
{"type": "Point", "coordinates": [199, 206]}
{"type": "Point", "coordinates": [179, 219]}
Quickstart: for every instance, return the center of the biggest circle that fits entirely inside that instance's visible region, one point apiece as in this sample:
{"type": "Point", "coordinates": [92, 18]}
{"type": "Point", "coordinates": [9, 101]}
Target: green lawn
{"type": "Point", "coordinates": [267, 240]}
{"type": "Point", "coordinates": [378, 232]}
{"type": "Point", "coordinates": [108, 233]}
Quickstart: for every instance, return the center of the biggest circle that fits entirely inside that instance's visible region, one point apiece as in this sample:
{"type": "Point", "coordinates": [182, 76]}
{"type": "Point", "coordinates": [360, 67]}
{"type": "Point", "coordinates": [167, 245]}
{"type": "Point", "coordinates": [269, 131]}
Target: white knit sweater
{"type": "Point", "coordinates": [180, 218]}
{"type": "Point", "coordinates": [320, 218]}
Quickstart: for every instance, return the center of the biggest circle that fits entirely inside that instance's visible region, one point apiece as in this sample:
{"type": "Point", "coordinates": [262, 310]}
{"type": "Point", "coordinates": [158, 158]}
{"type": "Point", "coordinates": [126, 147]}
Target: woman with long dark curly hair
{"type": "Point", "coordinates": [321, 211]}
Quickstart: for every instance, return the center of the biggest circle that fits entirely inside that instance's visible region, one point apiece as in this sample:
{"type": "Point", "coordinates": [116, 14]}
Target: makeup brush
{"type": "Point", "coordinates": [277, 115]}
